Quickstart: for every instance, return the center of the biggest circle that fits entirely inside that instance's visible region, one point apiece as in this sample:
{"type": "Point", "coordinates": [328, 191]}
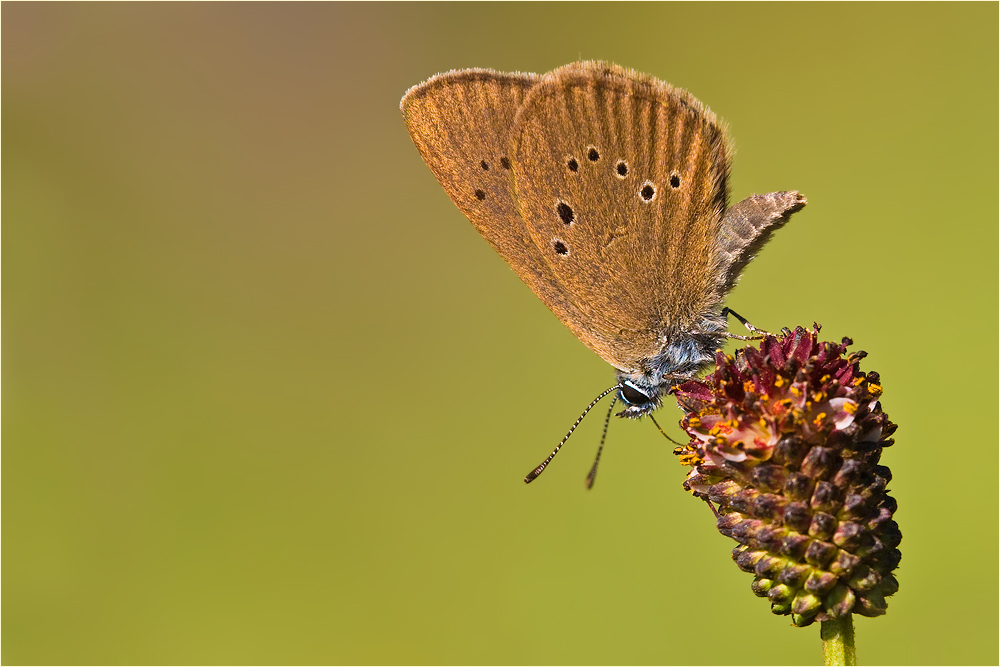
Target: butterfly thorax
{"type": "Point", "coordinates": [684, 356]}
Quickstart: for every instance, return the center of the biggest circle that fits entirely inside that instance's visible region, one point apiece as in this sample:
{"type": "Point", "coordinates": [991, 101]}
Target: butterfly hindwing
{"type": "Point", "coordinates": [747, 226]}
{"type": "Point", "coordinates": [460, 122]}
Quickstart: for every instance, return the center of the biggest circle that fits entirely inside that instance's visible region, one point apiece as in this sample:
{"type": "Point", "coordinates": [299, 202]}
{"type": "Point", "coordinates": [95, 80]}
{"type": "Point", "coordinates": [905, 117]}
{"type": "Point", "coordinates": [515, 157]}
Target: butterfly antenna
{"type": "Point", "coordinates": [597, 459]}
{"type": "Point", "coordinates": [541, 466]}
{"type": "Point", "coordinates": [664, 433]}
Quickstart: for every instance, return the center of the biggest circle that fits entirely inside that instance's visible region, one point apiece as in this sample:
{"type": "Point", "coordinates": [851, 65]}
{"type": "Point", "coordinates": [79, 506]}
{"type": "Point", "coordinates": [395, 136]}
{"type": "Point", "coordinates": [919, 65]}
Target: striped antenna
{"type": "Point", "coordinates": [541, 466]}
{"type": "Point", "coordinates": [597, 459]}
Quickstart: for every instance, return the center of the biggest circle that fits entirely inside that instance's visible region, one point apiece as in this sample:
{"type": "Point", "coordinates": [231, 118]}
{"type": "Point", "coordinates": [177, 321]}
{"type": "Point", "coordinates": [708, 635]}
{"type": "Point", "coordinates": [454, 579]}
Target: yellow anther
{"type": "Point", "coordinates": [779, 381]}
{"type": "Point", "coordinates": [748, 386]}
{"type": "Point", "coordinates": [875, 389]}
{"type": "Point", "coordinates": [820, 418]}
{"type": "Point", "coordinates": [850, 407]}
{"type": "Point", "coordinates": [687, 455]}
{"type": "Point", "coordinates": [689, 459]}
{"type": "Point", "coordinates": [763, 423]}
{"type": "Point", "coordinates": [694, 422]}
{"type": "Point", "coordinates": [795, 390]}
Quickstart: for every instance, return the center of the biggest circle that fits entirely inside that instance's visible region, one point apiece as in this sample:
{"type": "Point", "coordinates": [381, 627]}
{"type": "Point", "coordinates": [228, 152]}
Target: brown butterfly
{"type": "Point", "coordinates": [606, 192]}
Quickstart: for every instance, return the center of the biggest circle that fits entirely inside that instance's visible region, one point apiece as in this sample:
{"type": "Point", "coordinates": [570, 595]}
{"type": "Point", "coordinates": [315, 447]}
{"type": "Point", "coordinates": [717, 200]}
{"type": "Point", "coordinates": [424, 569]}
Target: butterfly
{"type": "Point", "coordinates": [606, 191]}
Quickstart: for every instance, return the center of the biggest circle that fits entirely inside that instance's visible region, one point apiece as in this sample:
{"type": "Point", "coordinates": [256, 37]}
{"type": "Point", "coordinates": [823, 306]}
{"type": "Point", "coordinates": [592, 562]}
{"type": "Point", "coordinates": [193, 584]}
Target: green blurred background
{"type": "Point", "coordinates": [270, 398]}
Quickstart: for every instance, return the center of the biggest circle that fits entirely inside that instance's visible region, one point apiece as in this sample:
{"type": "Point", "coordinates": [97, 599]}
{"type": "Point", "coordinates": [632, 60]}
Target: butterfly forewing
{"type": "Point", "coordinates": [620, 180]}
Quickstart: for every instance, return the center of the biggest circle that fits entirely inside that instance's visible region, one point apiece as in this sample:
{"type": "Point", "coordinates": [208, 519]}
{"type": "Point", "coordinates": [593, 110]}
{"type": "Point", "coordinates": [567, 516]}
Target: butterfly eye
{"type": "Point", "coordinates": [633, 396]}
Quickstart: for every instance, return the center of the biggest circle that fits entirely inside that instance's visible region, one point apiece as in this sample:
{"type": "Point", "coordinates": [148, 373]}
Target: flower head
{"type": "Point", "coordinates": [786, 440]}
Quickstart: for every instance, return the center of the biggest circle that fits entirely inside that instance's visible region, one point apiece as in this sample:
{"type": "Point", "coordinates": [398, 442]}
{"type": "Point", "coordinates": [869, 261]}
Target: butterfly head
{"type": "Point", "coordinates": [684, 356]}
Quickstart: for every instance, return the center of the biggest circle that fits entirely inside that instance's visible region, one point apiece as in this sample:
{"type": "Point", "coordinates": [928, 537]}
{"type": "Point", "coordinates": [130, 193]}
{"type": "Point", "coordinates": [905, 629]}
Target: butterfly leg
{"type": "Point", "coordinates": [714, 511]}
{"type": "Point", "coordinates": [662, 432]}
{"type": "Point", "coordinates": [760, 333]}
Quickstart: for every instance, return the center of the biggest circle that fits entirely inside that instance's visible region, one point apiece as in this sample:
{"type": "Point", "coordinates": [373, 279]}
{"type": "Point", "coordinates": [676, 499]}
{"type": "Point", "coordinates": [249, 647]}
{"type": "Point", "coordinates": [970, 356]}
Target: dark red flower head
{"type": "Point", "coordinates": [786, 440]}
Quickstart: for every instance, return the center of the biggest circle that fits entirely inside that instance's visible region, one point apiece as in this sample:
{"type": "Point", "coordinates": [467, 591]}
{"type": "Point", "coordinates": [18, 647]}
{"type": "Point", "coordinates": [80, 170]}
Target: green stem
{"type": "Point", "coordinates": [838, 641]}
